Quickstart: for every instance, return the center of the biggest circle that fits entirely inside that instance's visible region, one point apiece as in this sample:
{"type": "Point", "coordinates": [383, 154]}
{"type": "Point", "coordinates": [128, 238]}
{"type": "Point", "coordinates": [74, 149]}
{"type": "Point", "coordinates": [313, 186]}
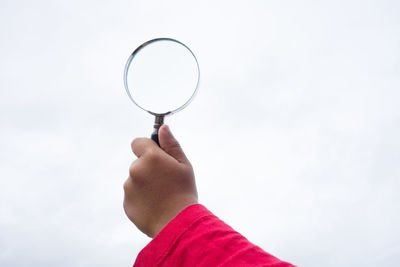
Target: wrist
{"type": "Point", "coordinates": [167, 215]}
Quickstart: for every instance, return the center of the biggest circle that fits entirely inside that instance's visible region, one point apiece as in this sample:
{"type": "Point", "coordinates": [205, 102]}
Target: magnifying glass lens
{"type": "Point", "coordinates": [162, 76]}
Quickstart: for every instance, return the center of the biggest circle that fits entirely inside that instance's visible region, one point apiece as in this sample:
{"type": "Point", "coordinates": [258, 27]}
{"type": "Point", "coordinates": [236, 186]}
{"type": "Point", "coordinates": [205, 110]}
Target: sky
{"type": "Point", "coordinates": [293, 135]}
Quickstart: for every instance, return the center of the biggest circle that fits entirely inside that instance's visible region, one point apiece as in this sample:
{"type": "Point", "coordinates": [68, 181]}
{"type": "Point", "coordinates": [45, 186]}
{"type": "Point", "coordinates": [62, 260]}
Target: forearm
{"type": "Point", "coordinates": [196, 237]}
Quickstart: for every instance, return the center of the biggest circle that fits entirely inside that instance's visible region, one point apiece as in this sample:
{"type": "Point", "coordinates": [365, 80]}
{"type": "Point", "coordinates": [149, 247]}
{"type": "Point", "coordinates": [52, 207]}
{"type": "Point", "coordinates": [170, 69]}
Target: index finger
{"type": "Point", "coordinates": [142, 145]}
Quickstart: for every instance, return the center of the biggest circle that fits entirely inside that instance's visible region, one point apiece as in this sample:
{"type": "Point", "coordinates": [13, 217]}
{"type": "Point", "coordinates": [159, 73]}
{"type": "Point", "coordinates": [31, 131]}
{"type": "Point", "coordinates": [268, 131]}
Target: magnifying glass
{"type": "Point", "coordinates": [162, 77]}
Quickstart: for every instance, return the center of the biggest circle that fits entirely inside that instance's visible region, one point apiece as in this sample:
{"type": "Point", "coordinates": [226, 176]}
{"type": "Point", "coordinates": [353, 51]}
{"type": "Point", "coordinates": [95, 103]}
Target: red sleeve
{"type": "Point", "coordinates": [196, 237]}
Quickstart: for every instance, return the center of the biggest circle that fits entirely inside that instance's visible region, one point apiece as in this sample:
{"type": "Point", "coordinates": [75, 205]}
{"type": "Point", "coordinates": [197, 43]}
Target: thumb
{"type": "Point", "coordinates": [170, 145]}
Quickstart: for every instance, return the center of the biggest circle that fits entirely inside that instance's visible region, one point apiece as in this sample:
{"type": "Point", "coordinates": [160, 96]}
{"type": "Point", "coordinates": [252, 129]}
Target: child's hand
{"type": "Point", "coordinates": [160, 183]}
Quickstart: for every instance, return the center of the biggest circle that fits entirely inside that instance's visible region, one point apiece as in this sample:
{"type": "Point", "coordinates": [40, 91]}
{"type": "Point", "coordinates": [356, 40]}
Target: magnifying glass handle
{"type": "Point", "coordinates": [157, 124]}
{"type": "Point", "coordinates": [154, 137]}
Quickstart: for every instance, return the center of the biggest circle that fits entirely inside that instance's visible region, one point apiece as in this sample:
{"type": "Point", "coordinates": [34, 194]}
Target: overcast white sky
{"type": "Point", "coordinates": [294, 135]}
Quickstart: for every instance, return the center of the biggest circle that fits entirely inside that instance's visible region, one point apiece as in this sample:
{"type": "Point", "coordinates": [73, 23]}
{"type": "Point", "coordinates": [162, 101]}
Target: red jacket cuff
{"type": "Point", "coordinates": [162, 243]}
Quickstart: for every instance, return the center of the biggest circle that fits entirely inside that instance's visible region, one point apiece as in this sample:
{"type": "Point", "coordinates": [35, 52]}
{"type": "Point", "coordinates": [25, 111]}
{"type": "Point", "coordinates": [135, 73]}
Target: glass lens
{"type": "Point", "coordinates": [162, 76]}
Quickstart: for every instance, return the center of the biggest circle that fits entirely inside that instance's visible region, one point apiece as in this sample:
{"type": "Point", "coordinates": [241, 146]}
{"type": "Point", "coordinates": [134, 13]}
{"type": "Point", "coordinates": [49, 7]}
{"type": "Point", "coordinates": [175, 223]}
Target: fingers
{"type": "Point", "coordinates": [142, 145]}
{"type": "Point", "coordinates": [139, 171]}
{"type": "Point", "coordinates": [170, 145]}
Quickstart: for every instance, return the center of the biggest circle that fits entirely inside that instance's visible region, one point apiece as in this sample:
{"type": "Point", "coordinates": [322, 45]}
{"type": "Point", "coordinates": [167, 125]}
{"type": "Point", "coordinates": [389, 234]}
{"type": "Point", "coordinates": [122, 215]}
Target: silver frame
{"type": "Point", "coordinates": [129, 61]}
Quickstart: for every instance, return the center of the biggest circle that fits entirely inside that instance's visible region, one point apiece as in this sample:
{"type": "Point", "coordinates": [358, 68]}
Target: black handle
{"type": "Point", "coordinates": [154, 137]}
{"type": "Point", "coordinates": [157, 124]}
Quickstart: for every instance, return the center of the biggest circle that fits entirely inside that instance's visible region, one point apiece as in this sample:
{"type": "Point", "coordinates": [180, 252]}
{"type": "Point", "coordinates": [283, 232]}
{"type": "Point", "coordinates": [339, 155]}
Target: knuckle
{"type": "Point", "coordinates": [137, 172]}
{"type": "Point", "coordinates": [127, 185]}
{"type": "Point", "coordinates": [134, 142]}
{"type": "Point", "coordinates": [125, 205]}
{"type": "Point", "coordinates": [152, 156]}
{"type": "Point", "coordinates": [133, 169]}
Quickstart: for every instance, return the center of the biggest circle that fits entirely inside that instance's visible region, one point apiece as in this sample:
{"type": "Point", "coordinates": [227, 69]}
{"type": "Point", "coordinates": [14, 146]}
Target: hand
{"type": "Point", "coordinates": [160, 184]}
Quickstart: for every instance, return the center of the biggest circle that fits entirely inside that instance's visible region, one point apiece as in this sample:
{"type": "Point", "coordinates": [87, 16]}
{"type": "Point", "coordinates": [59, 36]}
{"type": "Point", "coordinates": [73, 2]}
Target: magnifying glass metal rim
{"type": "Point", "coordinates": [129, 61]}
